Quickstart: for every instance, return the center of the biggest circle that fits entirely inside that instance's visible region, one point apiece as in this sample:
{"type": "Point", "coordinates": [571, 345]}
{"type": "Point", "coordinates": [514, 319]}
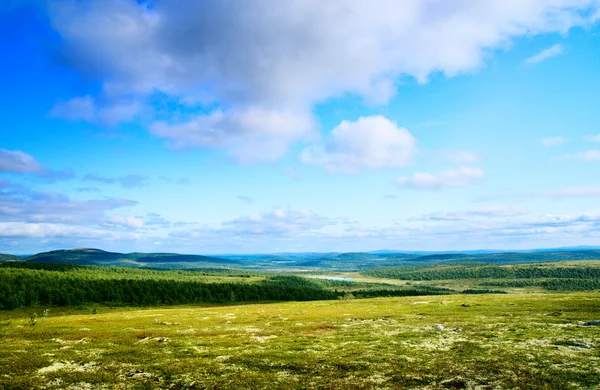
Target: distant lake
{"type": "Point", "coordinates": [331, 278]}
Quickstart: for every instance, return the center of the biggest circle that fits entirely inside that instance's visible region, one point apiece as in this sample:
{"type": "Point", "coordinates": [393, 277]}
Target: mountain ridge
{"type": "Point", "coordinates": [338, 261]}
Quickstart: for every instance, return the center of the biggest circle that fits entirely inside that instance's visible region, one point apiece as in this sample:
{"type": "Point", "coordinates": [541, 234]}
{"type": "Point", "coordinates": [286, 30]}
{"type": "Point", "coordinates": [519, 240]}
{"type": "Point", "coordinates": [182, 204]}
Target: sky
{"type": "Point", "coordinates": [267, 126]}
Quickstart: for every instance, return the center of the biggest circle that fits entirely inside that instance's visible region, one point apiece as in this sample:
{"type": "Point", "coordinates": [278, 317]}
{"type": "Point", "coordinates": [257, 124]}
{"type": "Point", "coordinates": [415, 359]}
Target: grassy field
{"type": "Point", "coordinates": [525, 341]}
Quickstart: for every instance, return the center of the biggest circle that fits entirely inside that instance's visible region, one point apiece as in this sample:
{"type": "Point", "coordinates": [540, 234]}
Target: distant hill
{"type": "Point", "coordinates": [89, 256]}
{"type": "Point", "coordinates": [334, 261]}
{"type": "Point", "coordinates": [511, 257]}
{"type": "Point", "coordinates": [5, 257]}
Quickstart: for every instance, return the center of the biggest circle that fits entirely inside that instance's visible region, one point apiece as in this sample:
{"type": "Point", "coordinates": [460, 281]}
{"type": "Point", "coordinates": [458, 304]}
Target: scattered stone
{"type": "Point", "coordinates": [439, 326]}
{"type": "Point", "coordinates": [579, 345]}
{"type": "Point", "coordinates": [465, 305]}
{"type": "Point", "coordinates": [138, 374]}
{"type": "Point", "coordinates": [592, 323]}
{"type": "Point", "coordinates": [162, 339]}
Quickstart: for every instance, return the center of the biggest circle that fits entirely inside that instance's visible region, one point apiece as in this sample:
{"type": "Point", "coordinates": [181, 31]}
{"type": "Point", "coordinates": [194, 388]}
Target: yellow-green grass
{"type": "Point", "coordinates": [529, 341]}
{"type": "Point", "coordinates": [452, 284]}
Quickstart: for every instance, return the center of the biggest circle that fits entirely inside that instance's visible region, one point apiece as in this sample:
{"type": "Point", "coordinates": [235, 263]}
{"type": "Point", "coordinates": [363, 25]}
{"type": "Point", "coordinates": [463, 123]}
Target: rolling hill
{"type": "Point", "coordinates": [334, 261]}
{"type": "Point", "coordinates": [89, 256]}
{"type": "Point", "coordinates": [5, 257]}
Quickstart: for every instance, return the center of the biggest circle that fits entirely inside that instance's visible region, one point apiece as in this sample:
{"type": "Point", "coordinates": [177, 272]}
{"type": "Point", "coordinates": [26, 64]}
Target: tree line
{"type": "Point", "coordinates": [21, 287]}
{"type": "Point", "coordinates": [483, 272]}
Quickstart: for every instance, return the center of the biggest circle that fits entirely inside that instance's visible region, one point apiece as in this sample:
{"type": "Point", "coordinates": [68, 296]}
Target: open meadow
{"type": "Point", "coordinates": [525, 341]}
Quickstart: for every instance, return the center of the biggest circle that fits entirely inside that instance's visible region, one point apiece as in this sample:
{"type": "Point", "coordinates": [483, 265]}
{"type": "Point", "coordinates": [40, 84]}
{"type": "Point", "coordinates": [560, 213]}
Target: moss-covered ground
{"type": "Point", "coordinates": [524, 341]}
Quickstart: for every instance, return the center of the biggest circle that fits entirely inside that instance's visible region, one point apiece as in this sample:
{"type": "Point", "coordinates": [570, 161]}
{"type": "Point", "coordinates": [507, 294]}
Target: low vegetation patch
{"type": "Point", "coordinates": [426, 342]}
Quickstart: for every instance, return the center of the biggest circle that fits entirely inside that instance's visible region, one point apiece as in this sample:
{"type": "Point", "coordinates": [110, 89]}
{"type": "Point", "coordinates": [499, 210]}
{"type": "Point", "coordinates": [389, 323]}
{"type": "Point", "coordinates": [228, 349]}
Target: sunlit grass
{"type": "Point", "coordinates": [492, 341]}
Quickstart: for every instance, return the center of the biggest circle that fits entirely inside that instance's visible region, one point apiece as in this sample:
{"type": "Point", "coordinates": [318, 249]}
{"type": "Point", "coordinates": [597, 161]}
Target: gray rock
{"type": "Point", "coordinates": [439, 326]}
{"type": "Point", "coordinates": [579, 345]}
{"type": "Point", "coordinates": [592, 323]}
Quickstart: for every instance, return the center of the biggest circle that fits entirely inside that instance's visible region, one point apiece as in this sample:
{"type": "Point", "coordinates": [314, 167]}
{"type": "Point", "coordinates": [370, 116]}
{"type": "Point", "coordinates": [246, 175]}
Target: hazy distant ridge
{"type": "Point", "coordinates": [301, 261]}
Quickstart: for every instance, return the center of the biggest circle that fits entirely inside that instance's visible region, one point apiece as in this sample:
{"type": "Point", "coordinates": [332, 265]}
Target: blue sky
{"type": "Point", "coordinates": [271, 126]}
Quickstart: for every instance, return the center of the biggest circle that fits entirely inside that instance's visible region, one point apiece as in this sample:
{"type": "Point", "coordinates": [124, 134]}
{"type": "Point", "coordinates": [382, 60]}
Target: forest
{"type": "Point", "coordinates": [476, 271]}
{"type": "Point", "coordinates": [27, 284]}
{"type": "Point", "coordinates": [31, 284]}
{"type": "Point", "coordinates": [59, 285]}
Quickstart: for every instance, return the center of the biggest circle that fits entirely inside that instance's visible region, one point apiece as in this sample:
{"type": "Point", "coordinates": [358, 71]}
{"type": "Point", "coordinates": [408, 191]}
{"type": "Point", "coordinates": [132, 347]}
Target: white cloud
{"type": "Point", "coordinates": [543, 55]}
{"type": "Point", "coordinates": [78, 108]}
{"type": "Point", "coordinates": [553, 141]}
{"type": "Point", "coordinates": [22, 204]}
{"type": "Point", "coordinates": [592, 138]}
{"type": "Point", "coordinates": [369, 143]}
{"type": "Point", "coordinates": [486, 212]}
{"type": "Point", "coordinates": [261, 227]}
{"type": "Point", "coordinates": [587, 156]}
{"type": "Point", "coordinates": [15, 161]}
{"type": "Point", "coordinates": [460, 177]}
{"type": "Point", "coordinates": [88, 109]}
{"type": "Point", "coordinates": [272, 57]}
{"type": "Point", "coordinates": [278, 222]}
{"type": "Point", "coordinates": [253, 134]}
{"type": "Point", "coordinates": [49, 230]}
{"type": "Point", "coordinates": [126, 221]}
{"type": "Point", "coordinates": [472, 229]}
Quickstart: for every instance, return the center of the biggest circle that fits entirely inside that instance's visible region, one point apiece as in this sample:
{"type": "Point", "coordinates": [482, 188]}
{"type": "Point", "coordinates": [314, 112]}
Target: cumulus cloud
{"type": "Point", "coordinates": [47, 230]}
{"type": "Point", "coordinates": [545, 54]}
{"type": "Point", "coordinates": [460, 177]}
{"type": "Point", "coordinates": [128, 181]}
{"type": "Point", "coordinates": [26, 213]}
{"type": "Point", "coordinates": [28, 217]}
{"type": "Point", "coordinates": [486, 212]}
{"type": "Point", "coordinates": [88, 109]}
{"type": "Point", "coordinates": [18, 162]}
{"type": "Point", "coordinates": [155, 219]}
{"type": "Point", "coordinates": [369, 143]}
{"type": "Point", "coordinates": [587, 156]}
{"type": "Point", "coordinates": [553, 141]}
{"type": "Point", "coordinates": [126, 221]}
{"type": "Point", "coordinates": [249, 135]}
{"type": "Point", "coordinates": [14, 161]}
{"type": "Point", "coordinates": [278, 222]}
{"type": "Point", "coordinates": [499, 225]}
{"type": "Point", "coordinates": [78, 108]}
{"type": "Point", "coordinates": [23, 204]}
{"type": "Point", "coordinates": [272, 58]}
{"type": "Point", "coordinates": [267, 228]}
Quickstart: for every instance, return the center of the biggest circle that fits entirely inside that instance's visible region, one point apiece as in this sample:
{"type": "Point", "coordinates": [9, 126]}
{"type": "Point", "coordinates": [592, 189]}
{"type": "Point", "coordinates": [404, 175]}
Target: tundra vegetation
{"type": "Point", "coordinates": [449, 326]}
